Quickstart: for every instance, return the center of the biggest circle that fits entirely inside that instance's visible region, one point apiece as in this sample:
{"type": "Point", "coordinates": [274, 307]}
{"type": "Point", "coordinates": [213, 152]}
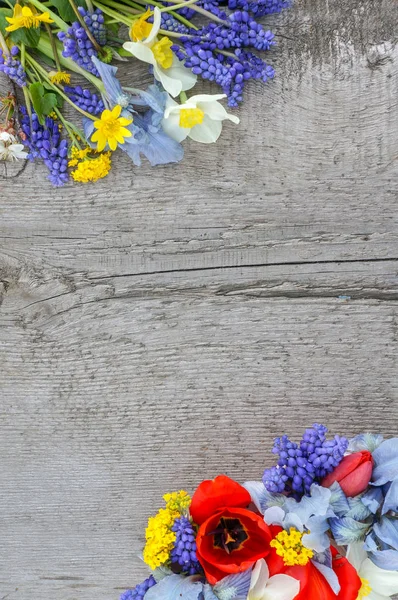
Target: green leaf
{"type": "Point", "coordinates": [65, 10]}
{"type": "Point", "coordinates": [43, 102]}
{"type": "Point", "coordinates": [4, 12]}
{"type": "Point", "coordinates": [30, 37]}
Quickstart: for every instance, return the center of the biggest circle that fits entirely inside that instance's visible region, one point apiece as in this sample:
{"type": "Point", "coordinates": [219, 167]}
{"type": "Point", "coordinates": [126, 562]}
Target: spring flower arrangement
{"type": "Point", "coordinates": [322, 524]}
{"type": "Point", "coordinates": [49, 47]}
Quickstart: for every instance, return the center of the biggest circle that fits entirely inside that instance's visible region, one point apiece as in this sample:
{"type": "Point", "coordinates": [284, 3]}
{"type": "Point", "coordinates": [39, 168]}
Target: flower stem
{"type": "Point", "coordinates": [53, 46]}
{"type": "Point", "coordinates": [24, 88]}
{"type": "Point", "coordinates": [68, 127]}
{"type": "Point", "coordinates": [90, 6]}
{"type": "Point", "coordinates": [108, 11]}
{"type": "Point", "coordinates": [198, 9]}
{"type": "Point", "coordinates": [3, 45]}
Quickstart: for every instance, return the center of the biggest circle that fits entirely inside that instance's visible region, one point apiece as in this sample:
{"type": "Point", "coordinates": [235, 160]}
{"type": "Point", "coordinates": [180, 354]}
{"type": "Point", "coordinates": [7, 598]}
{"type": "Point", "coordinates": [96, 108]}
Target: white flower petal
{"type": "Point", "coordinates": [259, 579]}
{"type": "Point", "coordinates": [171, 126]}
{"type": "Point", "coordinates": [380, 580]}
{"type": "Point", "coordinates": [282, 587]}
{"type": "Point", "coordinates": [140, 51]}
{"type": "Point", "coordinates": [374, 596]}
{"type": "Point", "coordinates": [157, 17]}
{"type": "Point", "coordinates": [356, 555]}
{"type": "Point", "coordinates": [216, 111]}
{"type": "Point", "coordinates": [171, 85]}
{"type": "Point", "coordinates": [206, 132]}
{"type": "Point", "coordinates": [183, 74]}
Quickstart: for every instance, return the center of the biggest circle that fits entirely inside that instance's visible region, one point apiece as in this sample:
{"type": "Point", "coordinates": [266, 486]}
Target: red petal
{"type": "Point", "coordinates": [356, 482]}
{"type": "Point", "coordinates": [348, 578]}
{"type": "Point", "coordinates": [212, 495]}
{"type": "Point", "coordinates": [215, 560]}
{"type": "Point", "coordinates": [347, 466]}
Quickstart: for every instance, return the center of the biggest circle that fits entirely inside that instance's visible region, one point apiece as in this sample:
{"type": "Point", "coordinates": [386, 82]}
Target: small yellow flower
{"type": "Point", "coordinates": [289, 546]}
{"type": "Point", "coordinates": [163, 53]}
{"type": "Point", "coordinates": [111, 129]}
{"type": "Point", "coordinates": [140, 29]}
{"type": "Point", "coordinates": [24, 17]}
{"type": "Point", "coordinates": [89, 169]}
{"type": "Point", "coordinates": [59, 77]}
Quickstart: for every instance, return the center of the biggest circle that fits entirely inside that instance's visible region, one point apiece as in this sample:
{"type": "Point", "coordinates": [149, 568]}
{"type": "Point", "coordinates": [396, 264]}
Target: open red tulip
{"type": "Point", "coordinates": [353, 473]}
{"type": "Point", "coordinates": [214, 494]}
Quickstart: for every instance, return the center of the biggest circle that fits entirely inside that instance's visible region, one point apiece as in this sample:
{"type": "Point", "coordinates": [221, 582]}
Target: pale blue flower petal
{"type": "Point", "coordinates": [234, 587]}
{"type": "Point", "coordinates": [387, 531]}
{"type": "Point", "coordinates": [175, 586]}
{"type": "Point", "coordinates": [293, 520]}
{"type": "Point", "coordinates": [391, 498]}
{"type": "Point", "coordinates": [329, 575]}
{"type": "Point", "coordinates": [365, 441]}
{"type": "Point", "coordinates": [152, 142]}
{"type": "Point", "coordinates": [346, 530]}
{"type": "Point", "coordinates": [317, 539]}
{"type": "Point", "coordinates": [370, 543]}
{"type": "Point", "coordinates": [386, 462]}
{"type": "Point", "coordinates": [152, 97]}
{"type": "Point", "coordinates": [338, 501]}
{"type": "Point", "coordinates": [111, 82]}
{"type": "Point", "coordinates": [275, 515]}
{"type": "Point", "coordinates": [261, 497]}
{"type": "Point", "coordinates": [208, 593]}
{"type": "Point", "coordinates": [357, 509]}
{"type": "Point", "coordinates": [373, 499]}
{"type": "Point", "coordinates": [318, 503]}
{"type": "Point", "coordinates": [385, 559]}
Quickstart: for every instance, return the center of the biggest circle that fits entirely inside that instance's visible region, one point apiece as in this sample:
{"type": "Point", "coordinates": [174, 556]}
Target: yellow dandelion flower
{"type": "Point", "coordinates": [24, 16]}
{"type": "Point", "coordinates": [59, 77]}
{"type": "Point", "coordinates": [111, 129]}
{"type": "Point", "coordinates": [140, 29]}
{"type": "Point", "coordinates": [91, 169]}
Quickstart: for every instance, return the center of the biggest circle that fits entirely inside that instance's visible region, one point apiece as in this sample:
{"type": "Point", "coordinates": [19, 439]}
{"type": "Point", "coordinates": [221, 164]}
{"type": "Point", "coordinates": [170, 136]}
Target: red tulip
{"type": "Point", "coordinates": [231, 538]}
{"type": "Point", "coordinates": [353, 473]}
{"type": "Point", "coordinates": [313, 585]}
{"type": "Point", "coordinates": [214, 494]}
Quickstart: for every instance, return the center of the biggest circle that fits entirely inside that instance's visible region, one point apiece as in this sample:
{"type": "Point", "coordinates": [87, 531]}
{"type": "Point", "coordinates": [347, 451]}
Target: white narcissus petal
{"type": "Point", "coordinates": [216, 111]}
{"type": "Point", "coordinates": [157, 17]}
{"type": "Point", "coordinates": [140, 51]}
{"type": "Point", "coordinates": [356, 555]}
{"type": "Point", "coordinates": [374, 596]}
{"type": "Point", "coordinates": [206, 132]}
{"type": "Point", "coordinates": [282, 587]}
{"type": "Point", "coordinates": [183, 74]}
{"type": "Point", "coordinates": [259, 579]}
{"type": "Point", "coordinates": [206, 97]}
{"type": "Point", "coordinates": [171, 127]}
{"type": "Point", "coordinates": [381, 581]}
{"type": "Point", "coordinates": [172, 86]}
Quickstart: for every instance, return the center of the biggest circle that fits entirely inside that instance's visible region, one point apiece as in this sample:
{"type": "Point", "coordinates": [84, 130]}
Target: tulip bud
{"type": "Point", "coordinates": [353, 473]}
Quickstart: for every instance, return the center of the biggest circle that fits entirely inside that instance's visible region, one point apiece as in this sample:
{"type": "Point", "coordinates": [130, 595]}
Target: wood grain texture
{"type": "Point", "coordinates": [164, 325]}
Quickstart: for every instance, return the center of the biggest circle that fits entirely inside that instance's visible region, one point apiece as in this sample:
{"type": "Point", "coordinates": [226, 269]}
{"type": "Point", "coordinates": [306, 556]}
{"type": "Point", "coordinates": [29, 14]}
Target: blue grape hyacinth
{"type": "Point", "coordinates": [184, 551]}
{"type": "Point", "coordinates": [140, 590]}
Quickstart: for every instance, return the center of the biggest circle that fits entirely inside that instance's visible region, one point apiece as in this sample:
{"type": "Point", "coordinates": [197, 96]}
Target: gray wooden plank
{"type": "Point", "coordinates": [114, 403]}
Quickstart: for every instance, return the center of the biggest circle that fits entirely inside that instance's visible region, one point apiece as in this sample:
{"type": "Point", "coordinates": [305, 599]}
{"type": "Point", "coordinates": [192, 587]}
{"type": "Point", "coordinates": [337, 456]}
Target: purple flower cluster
{"type": "Point", "coordinates": [139, 591]}
{"type": "Point", "coordinates": [259, 8]}
{"type": "Point", "coordinates": [11, 66]}
{"type": "Point", "coordinates": [78, 47]}
{"type": "Point", "coordinates": [95, 23]}
{"type": "Point", "coordinates": [170, 23]}
{"type": "Point", "coordinates": [184, 551]}
{"type": "Point", "coordinates": [300, 465]}
{"type": "Point", "coordinates": [85, 99]}
{"type": "Point", "coordinates": [229, 72]}
{"type": "Point", "coordinates": [44, 141]}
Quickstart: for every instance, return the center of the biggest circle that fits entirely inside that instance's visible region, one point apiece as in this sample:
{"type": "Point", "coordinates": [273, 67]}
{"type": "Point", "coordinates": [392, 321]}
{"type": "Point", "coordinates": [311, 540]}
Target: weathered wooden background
{"type": "Point", "coordinates": [163, 325]}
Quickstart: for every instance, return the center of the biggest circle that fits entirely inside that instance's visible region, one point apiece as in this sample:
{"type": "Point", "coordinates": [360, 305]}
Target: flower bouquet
{"type": "Point", "coordinates": [322, 524]}
{"type": "Point", "coordinates": [48, 48]}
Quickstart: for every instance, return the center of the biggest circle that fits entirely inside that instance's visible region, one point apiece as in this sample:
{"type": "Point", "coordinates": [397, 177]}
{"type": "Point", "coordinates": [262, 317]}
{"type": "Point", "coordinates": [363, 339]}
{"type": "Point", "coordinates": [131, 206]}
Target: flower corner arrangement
{"type": "Point", "coordinates": [70, 110]}
{"type": "Point", "coordinates": [322, 524]}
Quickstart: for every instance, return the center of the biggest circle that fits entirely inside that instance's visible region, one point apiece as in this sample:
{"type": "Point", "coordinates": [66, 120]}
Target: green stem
{"type": "Point", "coordinates": [90, 6]}
{"type": "Point", "coordinates": [60, 23]}
{"type": "Point", "coordinates": [53, 46]}
{"type": "Point", "coordinates": [86, 29]}
{"type": "Point", "coordinates": [69, 129]}
{"type": "Point", "coordinates": [158, 4]}
{"type": "Point", "coordinates": [125, 9]}
{"type": "Point", "coordinates": [108, 11]}
{"type": "Point", "coordinates": [44, 74]}
{"type": "Point", "coordinates": [198, 9]}
{"type": "Point", "coordinates": [183, 97]}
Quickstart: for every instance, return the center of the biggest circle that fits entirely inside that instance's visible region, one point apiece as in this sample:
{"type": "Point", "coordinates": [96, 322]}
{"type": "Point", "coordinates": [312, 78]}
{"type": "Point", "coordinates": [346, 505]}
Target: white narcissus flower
{"type": "Point", "coordinates": [167, 69]}
{"type": "Point", "coordinates": [278, 587]}
{"type": "Point", "coordinates": [377, 584]}
{"type": "Point", "coordinates": [199, 118]}
{"type": "Point", "coordinates": [9, 149]}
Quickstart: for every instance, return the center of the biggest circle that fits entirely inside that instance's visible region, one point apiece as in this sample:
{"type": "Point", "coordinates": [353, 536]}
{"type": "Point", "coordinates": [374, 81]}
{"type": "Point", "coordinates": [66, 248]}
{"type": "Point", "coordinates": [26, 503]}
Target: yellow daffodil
{"type": "Point", "coordinates": [111, 129]}
{"type": "Point", "coordinates": [147, 47]}
{"type": "Point", "coordinates": [25, 17]}
{"type": "Point", "coordinates": [59, 77]}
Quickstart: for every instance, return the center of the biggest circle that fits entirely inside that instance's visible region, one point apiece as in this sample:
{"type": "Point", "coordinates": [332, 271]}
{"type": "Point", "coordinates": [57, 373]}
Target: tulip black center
{"type": "Point", "coordinates": [229, 535]}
